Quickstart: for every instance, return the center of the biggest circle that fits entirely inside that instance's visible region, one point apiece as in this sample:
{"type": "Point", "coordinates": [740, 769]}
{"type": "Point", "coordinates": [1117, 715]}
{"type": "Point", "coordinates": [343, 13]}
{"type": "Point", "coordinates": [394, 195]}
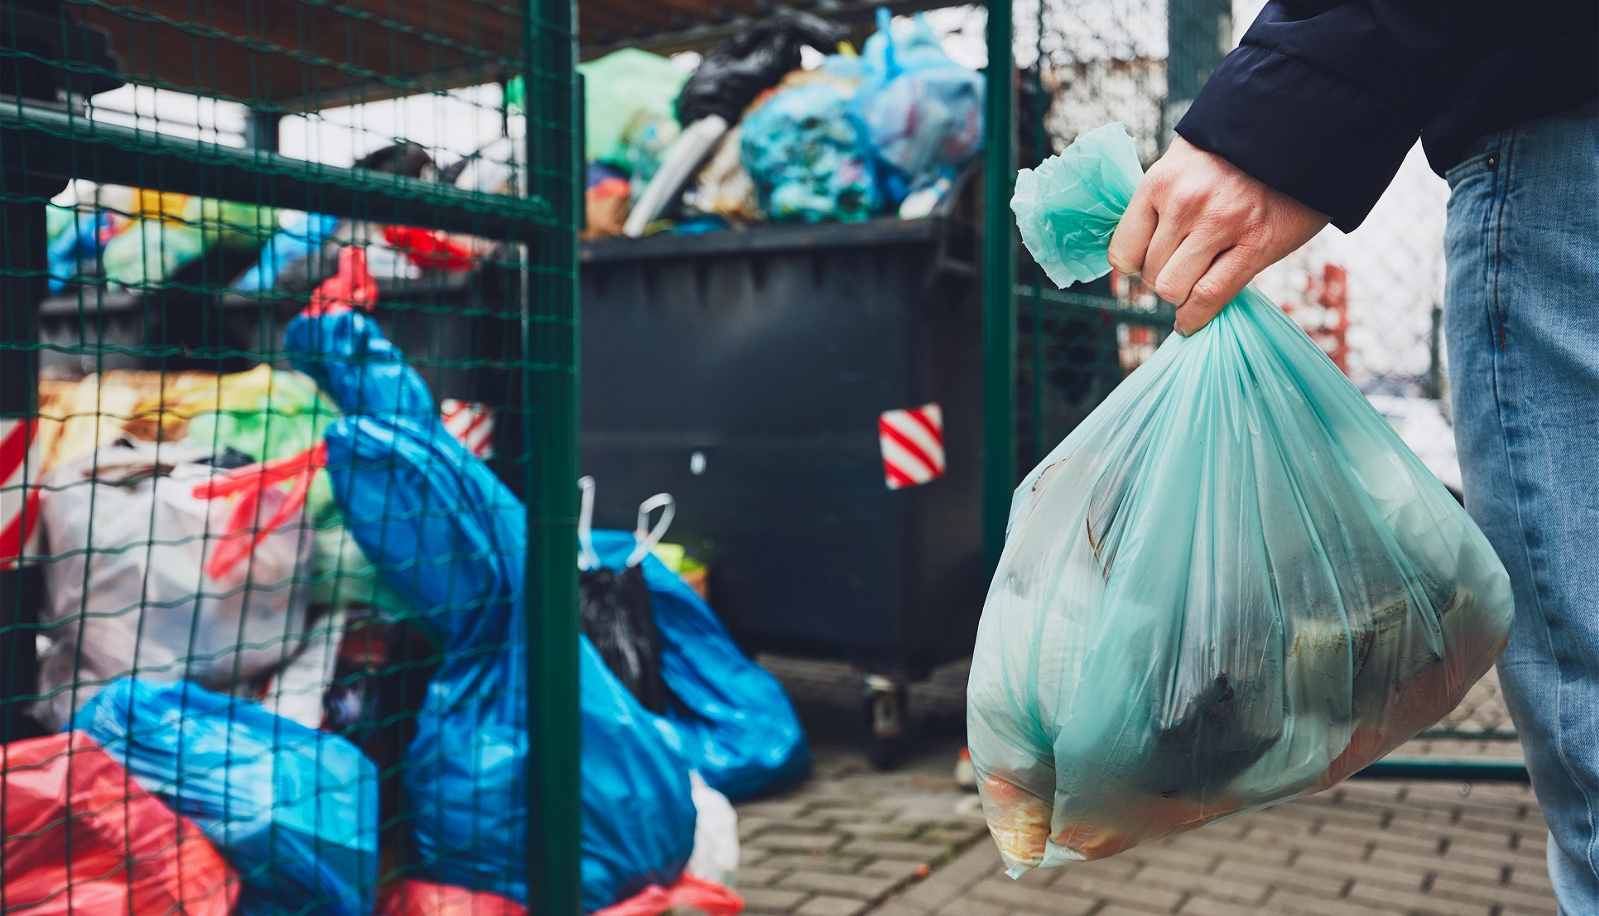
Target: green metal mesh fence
{"type": "Point", "coordinates": [1371, 298]}
{"type": "Point", "coordinates": [232, 631]}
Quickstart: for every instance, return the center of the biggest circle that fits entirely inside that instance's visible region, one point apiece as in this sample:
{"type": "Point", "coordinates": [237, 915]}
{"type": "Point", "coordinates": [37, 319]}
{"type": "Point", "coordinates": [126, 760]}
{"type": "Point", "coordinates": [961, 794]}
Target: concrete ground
{"type": "Point", "coordinates": [850, 840]}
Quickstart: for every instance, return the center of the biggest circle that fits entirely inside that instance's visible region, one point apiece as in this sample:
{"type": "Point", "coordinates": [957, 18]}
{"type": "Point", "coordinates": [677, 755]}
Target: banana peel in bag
{"type": "Point", "coordinates": [1230, 586]}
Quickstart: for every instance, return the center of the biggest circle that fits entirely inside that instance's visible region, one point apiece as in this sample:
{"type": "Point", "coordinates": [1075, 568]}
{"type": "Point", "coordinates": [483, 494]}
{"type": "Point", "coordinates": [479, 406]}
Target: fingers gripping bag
{"type": "Point", "coordinates": [1231, 585]}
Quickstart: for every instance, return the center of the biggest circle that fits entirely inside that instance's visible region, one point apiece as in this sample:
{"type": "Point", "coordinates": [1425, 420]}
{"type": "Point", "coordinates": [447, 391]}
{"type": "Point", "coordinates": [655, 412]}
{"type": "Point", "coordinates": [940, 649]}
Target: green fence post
{"type": "Point", "coordinates": [550, 440]}
{"type": "Point", "coordinates": [999, 298]}
{"type": "Point", "coordinates": [23, 267]}
{"type": "Point", "coordinates": [1199, 33]}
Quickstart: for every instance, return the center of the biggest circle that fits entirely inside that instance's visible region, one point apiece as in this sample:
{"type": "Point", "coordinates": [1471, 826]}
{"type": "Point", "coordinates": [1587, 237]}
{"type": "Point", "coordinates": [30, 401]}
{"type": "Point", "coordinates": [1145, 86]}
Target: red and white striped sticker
{"type": "Point", "coordinates": [19, 499]}
{"type": "Point", "coordinates": [471, 423]}
{"type": "Point", "coordinates": [913, 445]}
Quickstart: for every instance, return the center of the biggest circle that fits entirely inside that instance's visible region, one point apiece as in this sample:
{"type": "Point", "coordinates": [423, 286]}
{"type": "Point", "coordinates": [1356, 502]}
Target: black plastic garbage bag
{"type": "Point", "coordinates": [739, 69]}
{"type": "Point", "coordinates": [618, 616]}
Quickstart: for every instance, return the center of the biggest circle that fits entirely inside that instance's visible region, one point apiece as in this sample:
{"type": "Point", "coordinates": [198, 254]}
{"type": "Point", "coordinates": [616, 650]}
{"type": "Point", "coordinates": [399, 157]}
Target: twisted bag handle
{"type": "Point", "coordinates": [248, 482]}
{"type": "Point", "coordinates": [647, 537]}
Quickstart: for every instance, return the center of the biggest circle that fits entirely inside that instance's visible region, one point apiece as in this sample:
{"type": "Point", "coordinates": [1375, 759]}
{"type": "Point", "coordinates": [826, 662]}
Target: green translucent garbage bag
{"type": "Point", "coordinates": [1232, 585]}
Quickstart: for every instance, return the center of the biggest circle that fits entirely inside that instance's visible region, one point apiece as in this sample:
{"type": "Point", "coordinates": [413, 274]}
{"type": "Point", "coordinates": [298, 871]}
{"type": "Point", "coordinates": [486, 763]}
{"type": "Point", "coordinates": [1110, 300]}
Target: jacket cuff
{"type": "Point", "coordinates": [1301, 131]}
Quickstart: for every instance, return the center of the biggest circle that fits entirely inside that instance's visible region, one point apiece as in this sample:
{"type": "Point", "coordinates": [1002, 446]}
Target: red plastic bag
{"type": "Point", "coordinates": [429, 249]}
{"type": "Point", "coordinates": [352, 287]}
{"type": "Point", "coordinates": [80, 838]}
{"type": "Point", "coordinates": [424, 898]}
{"type": "Point", "coordinates": [706, 896]}
{"type": "Point", "coordinates": [237, 542]}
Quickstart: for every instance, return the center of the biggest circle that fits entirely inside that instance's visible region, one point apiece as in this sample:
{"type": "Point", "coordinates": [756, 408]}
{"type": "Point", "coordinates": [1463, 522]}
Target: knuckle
{"type": "Point", "coordinates": [1206, 292]}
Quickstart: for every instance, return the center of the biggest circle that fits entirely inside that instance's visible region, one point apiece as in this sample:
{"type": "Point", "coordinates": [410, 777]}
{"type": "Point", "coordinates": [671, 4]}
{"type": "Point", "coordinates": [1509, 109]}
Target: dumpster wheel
{"type": "Point", "coordinates": [886, 704]}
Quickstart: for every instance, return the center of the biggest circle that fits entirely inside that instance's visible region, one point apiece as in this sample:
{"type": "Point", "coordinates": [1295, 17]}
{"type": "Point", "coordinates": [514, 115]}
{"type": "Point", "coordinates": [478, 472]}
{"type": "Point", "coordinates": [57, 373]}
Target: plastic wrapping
{"type": "Point", "coordinates": [737, 70]}
{"type": "Point", "coordinates": [922, 113]}
{"type": "Point", "coordinates": [266, 414]}
{"type": "Point", "coordinates": [624, 92]}
{"type": "Point", "coordinates": [299, 239]}
{"type": "Point", "coordinates": [1232, 585]}
{"type": "Point", "coordinates": [723, 186]}
{"type": "Point", "coordinates": [715, 856]}
{"type": "Point", "coordinates": [73, 250]}
{"type": "Point", "coordinates": [294, 809]}
{"type": "Point", "coordinates": [805, 155]}
{"type": "Point", "coordinates": [689, 894]}
{"type": "Point", "coordinates": [739, 728]}
{"type": "Point", "coordinates": [451, 538]}
{"type": "Point", "coordinates": [423, 898]}
{"type": "Point", "coordinates": [77, 839]}
{"type": "Point", "coordinates": [128, 587]}
{"type": "Point", "coordinates": [150, 251]}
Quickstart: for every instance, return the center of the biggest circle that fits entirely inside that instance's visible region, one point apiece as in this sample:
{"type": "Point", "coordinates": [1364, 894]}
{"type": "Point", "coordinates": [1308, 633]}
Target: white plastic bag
{"type": "Point", "coordinates": [715, 855]}
{"type": "Point", "coordinates": [127, 588]}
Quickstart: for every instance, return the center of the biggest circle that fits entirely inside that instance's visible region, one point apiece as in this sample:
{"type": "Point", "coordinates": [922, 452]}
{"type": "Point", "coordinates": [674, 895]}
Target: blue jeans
{"type": "Point", "coordinates": [1522, 323]}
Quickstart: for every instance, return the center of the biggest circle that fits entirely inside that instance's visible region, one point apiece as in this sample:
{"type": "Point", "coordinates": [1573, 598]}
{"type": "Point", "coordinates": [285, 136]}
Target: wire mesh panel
{"type": "Point", "coordinates": [1370, 298]}
{"type": "Point", "coordinates": [287, 407]}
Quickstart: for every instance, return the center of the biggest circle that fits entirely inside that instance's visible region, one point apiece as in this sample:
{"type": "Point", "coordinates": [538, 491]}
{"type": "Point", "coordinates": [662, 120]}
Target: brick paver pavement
{"type": "Point", "coordinates": [850, 841]}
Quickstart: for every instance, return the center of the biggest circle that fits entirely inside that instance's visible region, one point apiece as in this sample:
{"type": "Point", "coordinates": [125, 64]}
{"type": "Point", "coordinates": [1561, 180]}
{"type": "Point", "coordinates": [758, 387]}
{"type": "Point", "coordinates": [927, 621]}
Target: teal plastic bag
{"type": "Point", "coordinates": [1231, 585]}
{"type": "Point", "coordinates": [805, 156]}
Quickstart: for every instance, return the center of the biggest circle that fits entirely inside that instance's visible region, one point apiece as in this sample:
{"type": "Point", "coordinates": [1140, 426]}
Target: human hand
{"type": "Point", "coordinates": [1198, 229]}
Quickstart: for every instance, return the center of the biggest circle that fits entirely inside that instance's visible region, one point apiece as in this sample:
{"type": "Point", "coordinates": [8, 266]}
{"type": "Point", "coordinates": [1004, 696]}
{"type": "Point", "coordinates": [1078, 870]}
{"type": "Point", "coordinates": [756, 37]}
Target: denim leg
{"type": "Point", "coordinates": [1522, 327]}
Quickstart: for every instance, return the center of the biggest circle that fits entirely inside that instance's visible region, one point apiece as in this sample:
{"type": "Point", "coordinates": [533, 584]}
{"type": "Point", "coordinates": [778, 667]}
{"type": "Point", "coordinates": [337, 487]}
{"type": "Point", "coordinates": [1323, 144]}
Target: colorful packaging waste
{"type": "Point", "coordinates": [293, 809]}
{"type": "Point", "coordinates": [128, 584]}
{"type": "Point", "coordinates": [77, 836]}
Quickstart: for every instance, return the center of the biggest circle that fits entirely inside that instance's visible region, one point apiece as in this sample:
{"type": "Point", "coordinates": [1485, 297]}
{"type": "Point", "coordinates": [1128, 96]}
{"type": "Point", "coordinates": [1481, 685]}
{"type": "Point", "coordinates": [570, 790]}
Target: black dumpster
{"type": "Point", "coordinates": [745, 372]}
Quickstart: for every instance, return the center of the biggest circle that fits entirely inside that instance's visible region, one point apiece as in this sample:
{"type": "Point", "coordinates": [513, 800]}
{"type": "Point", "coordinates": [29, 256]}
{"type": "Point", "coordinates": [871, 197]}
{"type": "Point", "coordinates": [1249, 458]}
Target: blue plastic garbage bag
{"type": "Point", "coordinates": [76, 246]}
{"type": "Point", "coordinates": [294, 242]}
{"type": "Point", "coordinates": [295, 810]}
{"type": "Point", "coordinates": [738, 725]}
{"type": "Point", "coordinates": [452, 540]}
{"type": "Point", "coordinates": [806, 157]}
{"type": "Point", "coordinates": [920, 113]}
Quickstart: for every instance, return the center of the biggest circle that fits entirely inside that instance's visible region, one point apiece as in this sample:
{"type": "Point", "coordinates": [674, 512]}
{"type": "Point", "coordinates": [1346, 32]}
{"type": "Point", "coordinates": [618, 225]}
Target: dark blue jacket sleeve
{"type": "Point", "coordinates": [1322, 99]}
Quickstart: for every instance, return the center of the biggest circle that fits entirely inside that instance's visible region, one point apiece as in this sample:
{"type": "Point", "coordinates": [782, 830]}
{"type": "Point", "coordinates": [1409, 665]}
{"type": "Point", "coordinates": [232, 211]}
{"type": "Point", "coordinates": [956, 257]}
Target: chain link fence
{"type": "Point", "coordinates": [286, 368]}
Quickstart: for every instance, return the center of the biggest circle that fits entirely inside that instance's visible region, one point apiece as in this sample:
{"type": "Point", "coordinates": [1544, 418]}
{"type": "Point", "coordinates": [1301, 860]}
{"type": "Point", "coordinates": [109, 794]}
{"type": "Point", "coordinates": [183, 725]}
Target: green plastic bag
{"type": "Point", "coordinates": [1231, 585]}
{"type": "Point", "coordinates": [150, 251]}
{"type": "Point", "coordinates": [626, 92]}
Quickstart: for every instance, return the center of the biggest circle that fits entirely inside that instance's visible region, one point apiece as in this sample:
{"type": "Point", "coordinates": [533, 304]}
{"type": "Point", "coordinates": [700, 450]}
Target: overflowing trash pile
{"type": "Point", "coordinates": [1230, 586]}
{"type": "Point", "coordinates": [750, 136]}
{"type": "Point", "coordinates": [283, 624]}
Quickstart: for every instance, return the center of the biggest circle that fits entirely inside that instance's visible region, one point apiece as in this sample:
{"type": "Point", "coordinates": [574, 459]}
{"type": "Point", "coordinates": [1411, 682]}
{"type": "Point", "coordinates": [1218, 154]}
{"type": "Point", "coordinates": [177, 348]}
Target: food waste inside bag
{"type": "Point", "coordinates": [1230, 586]}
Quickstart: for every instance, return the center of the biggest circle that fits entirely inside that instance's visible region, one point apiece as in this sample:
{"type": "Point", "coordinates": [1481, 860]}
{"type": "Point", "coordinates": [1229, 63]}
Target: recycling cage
{"type": "Point", "coordinates": [1050, 356]}
{"type": "Point", "coordinates": [746, 373]}
{"type": "Point", "coordinates": [97, 361]}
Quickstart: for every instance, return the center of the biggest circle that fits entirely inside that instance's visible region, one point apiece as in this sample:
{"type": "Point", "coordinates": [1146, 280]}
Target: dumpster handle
{"type": "Point", "coordinates": [649, 537]}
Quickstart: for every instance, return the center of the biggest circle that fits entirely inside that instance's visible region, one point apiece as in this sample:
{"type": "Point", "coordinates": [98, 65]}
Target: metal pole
{"type": "Point", "coordinates": [22, 287]}
{"type": "Point", "coordinates": [1199, 33]}
{"type": "Point", "coordinates": [263, 130]}
{"type": "Point", "coordinates": [550, 438]}
{"type": "Point", "coordinates": [999, 298]}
